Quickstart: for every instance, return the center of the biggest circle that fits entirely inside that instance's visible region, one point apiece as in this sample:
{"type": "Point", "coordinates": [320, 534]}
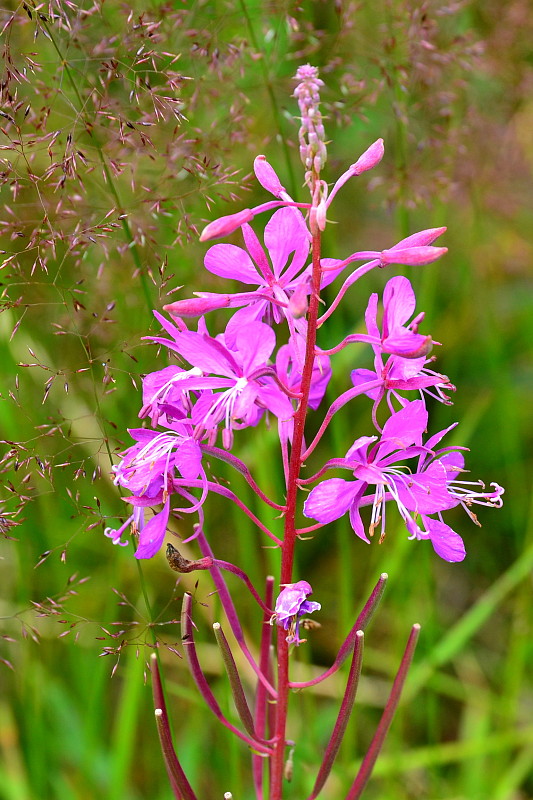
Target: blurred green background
{"type": "Point", "coordinates": [123, 130]}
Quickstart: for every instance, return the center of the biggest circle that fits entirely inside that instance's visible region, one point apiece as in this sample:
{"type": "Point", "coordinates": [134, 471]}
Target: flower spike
{"type": "Point", "coordinates": [270, 367]}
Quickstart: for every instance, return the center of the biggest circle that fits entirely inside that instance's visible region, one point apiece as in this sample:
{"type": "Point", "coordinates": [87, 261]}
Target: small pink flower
{"type": "Point", "coordinates": [291, 605]}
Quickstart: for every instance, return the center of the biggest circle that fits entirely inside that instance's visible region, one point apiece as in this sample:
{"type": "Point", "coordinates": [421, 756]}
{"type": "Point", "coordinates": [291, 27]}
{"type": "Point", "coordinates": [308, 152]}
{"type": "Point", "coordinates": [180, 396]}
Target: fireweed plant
{"type": "Point", "coordinates": [243, 377]}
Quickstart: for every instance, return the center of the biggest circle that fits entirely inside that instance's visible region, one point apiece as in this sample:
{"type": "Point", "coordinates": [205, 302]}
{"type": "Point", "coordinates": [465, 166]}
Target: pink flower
{"type": "Point", "coordinates": [291, 605]}
{"type": "Point", "coordinates": [429, 490]}
{"type": "Point", "coordinates": [398, 306]}
{"type": "Point", "coordinates": [148, 469]}
{"type": "Point", "coordinates": [230, 377]}
{"type": "Point", "coordinates": [273, 273]}
{"type": "Point", "coordinates": [402, 371]}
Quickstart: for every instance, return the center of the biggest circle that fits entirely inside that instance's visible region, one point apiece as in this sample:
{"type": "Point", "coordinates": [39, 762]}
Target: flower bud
{"type": "Point", "coordinates": [311, 134]}
{"type": "Point", "coordinates": [320, 215]}
{"type": "Point", "coordinates": [420, 239]}
{"type": "Point", "coordinates": [197, 306]}
{"type": "Point", "coordinates": [411, 256]}
{"type": "Point", "coordinates": [223, 226]}
{"type": "Point", "coordinates": [370, 158]}
{"type": "Point", "coordinates": [298, 303]}
{"type": "Point", "coordinates": [267, 177]}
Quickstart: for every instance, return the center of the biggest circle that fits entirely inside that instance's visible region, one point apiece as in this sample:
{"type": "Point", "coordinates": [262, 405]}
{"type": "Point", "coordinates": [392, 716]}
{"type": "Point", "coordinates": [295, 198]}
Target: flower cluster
{"type": "Point", "coordinates": [233, 380]}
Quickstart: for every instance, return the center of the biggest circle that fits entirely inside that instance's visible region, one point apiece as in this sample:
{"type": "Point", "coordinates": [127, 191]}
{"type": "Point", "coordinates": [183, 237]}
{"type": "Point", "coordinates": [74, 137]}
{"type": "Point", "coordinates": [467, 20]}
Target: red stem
{"type": "Point", "coordinates": [261, 696]}
{"type": "Point", "coordinates": [289, 538]}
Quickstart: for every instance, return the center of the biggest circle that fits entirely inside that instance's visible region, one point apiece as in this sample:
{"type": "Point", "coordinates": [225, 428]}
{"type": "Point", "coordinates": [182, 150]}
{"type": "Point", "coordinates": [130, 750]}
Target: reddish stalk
{"type": "Point", "coordinates": [261, 696]}
{"type": "Point", "coordinates": [290, 534]}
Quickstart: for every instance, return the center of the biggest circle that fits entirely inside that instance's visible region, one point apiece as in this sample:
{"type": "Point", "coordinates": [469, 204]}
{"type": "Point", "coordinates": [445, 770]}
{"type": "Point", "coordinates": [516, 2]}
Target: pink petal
{"type": "Point", "coordinates": [329, 276]}
{"type": "Point", "coordinates": [426, 492]}
{"type": "Point", "coordinates": [230, 261]}
{"type": "Point", "coordinates": [255, 343]}
{"type": "Point", "coordinates": [254, 247]}
{"type": "Point", "coordinates": [276, 401]}
{"type": "Point", "coordinates": [286, 233]}
{"type": "Point", "coordinates": [435, 439]}
{"type": "Point", "coordinates": [154, 381]}
{"type": "Point", "coordinates": [244, 405]}
{"type": "Point", "coordinates": [358, 450]}
{"type": "Point", "coordinates": [453, 463]}
{"type": "Point", "coordinates": [361, 376]}
{"type": "Point", "coordinates": [398, 302]}
{"type": "Point", "coordinates": [369, 473]}
{"type": "Point", "coordinates": [406, 426]}
{"type": "Point", "coordinates": [143, 435]}
{"type": "Point", "coordinates": [330, 499]}
{"type": "Point", "coordinates": [446, 543]}
{"type": "Point", "coordinates": [405, 369]}
{"type": "Point", "coordinates": [371, 314]}
{"type": "Point", "coordinates": [206, 353]}
{"type": "Point", "coordinates": [267, 177]}
{"type": "Point", "coordinates": [168, 326]}
{"type": "Point", "coordinates": [355, 519]}
{"type": "Point", "coordinates": [188, 459]}
{"type": "Point", "coordinates": [245, 316]}
{"type": "Point", "coordinates": [402, 342]}
{"type": "Point", "coordinates": [152, 535]}
{"type": "Point", "coordinates": [319, 381]}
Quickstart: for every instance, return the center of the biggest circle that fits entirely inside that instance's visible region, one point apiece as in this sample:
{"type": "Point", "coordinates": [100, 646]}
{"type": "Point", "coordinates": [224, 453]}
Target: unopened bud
{"type": "Point", "coordinates": [320, 215]}
{"type": "Point", "coordinates": [197, 306]}
{"type": "Point", "coordinates": [223, 226]}
{"type": "Point", "coordinates": [227, 438]}
{"type": "Point", "coordinates": [299, 303]}
{"type": "Point", "coordinates": [411, 256]}
{"type": "Point", "coordinates": [311, 134]}
{"type": "Point", "coordinates": [267, 177]}
{"type": "Point", "coordinates": [420, 239]}
{"type": "Point", "coordinates": [370, 158]}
